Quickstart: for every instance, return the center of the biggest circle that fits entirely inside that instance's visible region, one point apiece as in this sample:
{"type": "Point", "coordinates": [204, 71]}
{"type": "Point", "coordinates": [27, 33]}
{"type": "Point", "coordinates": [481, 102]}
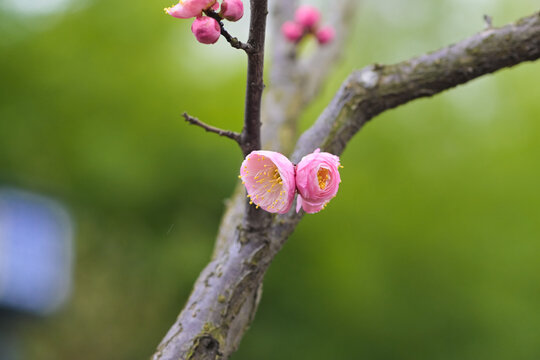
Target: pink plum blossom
{"type": "Point", "coordinates": [186, 9]}
{"type": "Point", "coordinates": [306, 22]}
{"type": "Point", "coordinates": [269, 180]}
{"type": "Point", "coordinates": [307, 16]}
{"type": "Point", "coordinates": [206, 30]}
{"type": "Point", "coordinates": [232, 10]}
{"type": "Point", "coordinates": [292, 31]}
{"type": "Point", "coordinates": [325, 35]}
{"type": "Point", "coordinates": [317, 181]}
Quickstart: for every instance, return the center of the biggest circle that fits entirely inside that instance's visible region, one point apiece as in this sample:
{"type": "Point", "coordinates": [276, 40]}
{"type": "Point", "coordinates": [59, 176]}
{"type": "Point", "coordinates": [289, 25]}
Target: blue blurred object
{"type": "Point", "coordinates": [36, 253]}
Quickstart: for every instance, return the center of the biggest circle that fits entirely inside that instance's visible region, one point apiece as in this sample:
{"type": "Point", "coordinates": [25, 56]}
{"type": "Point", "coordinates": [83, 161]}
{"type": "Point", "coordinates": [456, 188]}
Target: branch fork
{"type": "Point", "coordinates": [235, 43]}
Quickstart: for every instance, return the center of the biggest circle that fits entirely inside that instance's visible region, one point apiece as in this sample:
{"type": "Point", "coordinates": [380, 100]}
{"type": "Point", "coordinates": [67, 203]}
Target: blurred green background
{"type": "Point", "coordinates": [430, 251]}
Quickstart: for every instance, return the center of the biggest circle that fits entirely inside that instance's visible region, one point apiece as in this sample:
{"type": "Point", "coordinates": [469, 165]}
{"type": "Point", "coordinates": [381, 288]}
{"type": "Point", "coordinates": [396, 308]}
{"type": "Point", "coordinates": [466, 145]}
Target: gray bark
{"type": "Point", "coordinates": [225, 297]}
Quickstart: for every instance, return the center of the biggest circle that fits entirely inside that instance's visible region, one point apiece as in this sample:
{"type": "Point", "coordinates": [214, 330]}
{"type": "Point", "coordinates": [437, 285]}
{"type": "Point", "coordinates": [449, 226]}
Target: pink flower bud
{"type": "Point", "coordinates": [232, 10]}
{"type": "Point", "coordinates": [292, 31]}
{"type": "Point", "coordinates": [186, 9]}
{"type": "Point", "coordinates": [269, 180]}
{"type": "Point", "coordinates": [206, 30]}
{"type": "Point", "coordinates": [317, 181]}
{"type": "Point", "coordinates": [325, 35]}
{"type": "Point", "coordinates": [307, 16]}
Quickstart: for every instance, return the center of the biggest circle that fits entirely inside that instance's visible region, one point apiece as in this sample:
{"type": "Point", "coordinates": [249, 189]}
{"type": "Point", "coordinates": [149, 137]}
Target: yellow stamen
{"type": "Point", "coordinates": [323, 175]}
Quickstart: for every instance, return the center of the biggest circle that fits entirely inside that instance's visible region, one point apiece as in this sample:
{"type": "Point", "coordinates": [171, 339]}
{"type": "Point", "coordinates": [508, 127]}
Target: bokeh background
{"type": "Point", "coordinates": [430, 251]}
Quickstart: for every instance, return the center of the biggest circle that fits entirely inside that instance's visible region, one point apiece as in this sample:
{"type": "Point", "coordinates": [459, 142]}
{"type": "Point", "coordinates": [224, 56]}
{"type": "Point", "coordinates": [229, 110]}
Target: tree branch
{"type": "Point", "coordinates": [230, 134]}
{"type": "Point", "coordinates": [225, 297]}
{"type": "Point", "coordinates": [376, 88]}
{"type": "Point", "coordinates": [235, 43]}
{"type": "Point", "coordinates": [251, 133]}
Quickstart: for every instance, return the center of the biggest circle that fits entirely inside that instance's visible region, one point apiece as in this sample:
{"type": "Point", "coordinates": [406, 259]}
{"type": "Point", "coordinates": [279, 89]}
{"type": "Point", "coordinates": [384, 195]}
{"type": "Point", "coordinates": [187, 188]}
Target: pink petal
{"type": "Point", "coordinates": [317, 180]}
{"type": "Point", "coordinates": [269, 178]}
{"type": "Point", "coordinates": [312, 208]}
{"type": "Point", "coordinates": [186, 9]}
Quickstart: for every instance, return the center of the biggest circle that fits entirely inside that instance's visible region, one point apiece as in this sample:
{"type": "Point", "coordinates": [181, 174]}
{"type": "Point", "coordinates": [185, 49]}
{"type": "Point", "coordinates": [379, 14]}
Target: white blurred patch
{"type": "Point", "coordinates": [34, 7]}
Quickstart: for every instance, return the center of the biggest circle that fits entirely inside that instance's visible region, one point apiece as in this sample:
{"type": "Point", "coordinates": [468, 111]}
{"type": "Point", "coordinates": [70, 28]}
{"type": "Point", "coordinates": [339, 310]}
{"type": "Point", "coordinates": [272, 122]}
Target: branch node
{"type": "Point", "coordinates": [369, 78]}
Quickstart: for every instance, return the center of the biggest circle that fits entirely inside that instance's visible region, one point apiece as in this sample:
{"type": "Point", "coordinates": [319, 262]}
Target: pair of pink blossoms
{"type": "Point", "coordinates": [272, 180]}
{"type": "Point", "coordinates": [206, 29]}
{"type": "Point", "coordinates": [306, 21]}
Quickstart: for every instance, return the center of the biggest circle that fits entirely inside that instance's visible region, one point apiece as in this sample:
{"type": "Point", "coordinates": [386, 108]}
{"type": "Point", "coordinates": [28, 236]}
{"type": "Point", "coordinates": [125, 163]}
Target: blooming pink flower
{"type": "Point", "coordinates": [317, 181]}
{"type": "Point", "coordinates": [269, 180]}
{"type": "Point", "coordinates": [325, 35]}
{"type": "Point", "coordinates": [206, 30]}
{"type": "Point", "coordinates": [232, 10]}
{"type": "Point", "coordinates": [186, 9]}
{"type": "Point", "coordinates": [307, 16]}
{"type": "Point", "coordinates": [292, 31]}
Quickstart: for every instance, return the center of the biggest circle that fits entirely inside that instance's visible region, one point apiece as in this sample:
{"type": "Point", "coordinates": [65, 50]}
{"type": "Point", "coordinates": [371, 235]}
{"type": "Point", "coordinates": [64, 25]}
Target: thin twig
{"type": "Point", "coordinates": [235, 43]}
{"type": "Point", "coordinates": [230, 134]}
{"type": "Point", "coordinates": [488, 20]}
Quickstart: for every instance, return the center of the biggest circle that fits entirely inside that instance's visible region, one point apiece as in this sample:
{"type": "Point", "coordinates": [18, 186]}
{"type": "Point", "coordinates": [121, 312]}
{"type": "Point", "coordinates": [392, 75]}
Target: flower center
{"type": "Point", "coordinates": [269, 177]}
{"type": "Point", "coordinates": [323, 175]}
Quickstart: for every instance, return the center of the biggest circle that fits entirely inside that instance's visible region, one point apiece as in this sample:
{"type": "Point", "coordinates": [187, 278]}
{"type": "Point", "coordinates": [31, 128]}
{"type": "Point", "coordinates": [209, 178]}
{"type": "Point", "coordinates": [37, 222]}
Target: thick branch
{"type": "Point", "coordinates": [235, 43]}
{"type": "Point", "coordinates": [369, 92]}
{"type": "Point", "coordinates": [227, 292]}
{"type": "Point", "coordinates": [230, 134]}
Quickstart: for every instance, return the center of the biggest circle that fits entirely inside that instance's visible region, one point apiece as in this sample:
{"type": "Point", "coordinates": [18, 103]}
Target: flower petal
{"type": "Point", "coordinates": [269, 178]}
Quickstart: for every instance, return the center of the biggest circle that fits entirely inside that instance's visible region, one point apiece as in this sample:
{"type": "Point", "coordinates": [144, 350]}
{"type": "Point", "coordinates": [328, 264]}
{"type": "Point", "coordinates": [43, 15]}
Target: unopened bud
{"type": "Point", "coordinates": [206, 30]}
{"type": "Point", "coordinates": [325, 35]}
{"type": "Point", "coordinates": [292, 31]}
{"type": "Point", "coordinates": [232, 10]}
{"type": "Point", "coordinates": [307, 16]}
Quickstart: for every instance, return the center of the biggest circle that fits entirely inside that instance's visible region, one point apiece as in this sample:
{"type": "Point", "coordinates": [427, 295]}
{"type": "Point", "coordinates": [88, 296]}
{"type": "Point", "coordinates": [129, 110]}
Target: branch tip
{"type": "Point", "coordinates": [488, 20]}
{"type": "Point", "coordinates": [194, 121]}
